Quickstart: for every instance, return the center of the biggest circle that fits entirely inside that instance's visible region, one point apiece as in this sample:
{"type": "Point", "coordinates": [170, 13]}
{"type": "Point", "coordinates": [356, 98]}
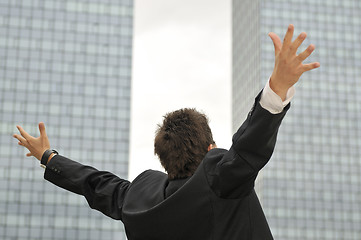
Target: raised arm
{"type": "Point", "coordinates": [252, 146]}
{"type": "Point", "coordinates": [104, 191]}
{"type": "Point", "coordinates": [254, 142]}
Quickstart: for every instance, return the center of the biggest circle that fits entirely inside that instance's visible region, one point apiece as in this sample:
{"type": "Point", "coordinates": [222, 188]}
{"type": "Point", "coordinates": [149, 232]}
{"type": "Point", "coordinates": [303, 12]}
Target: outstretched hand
{"type": "Point", "coordinates": [288, 65]}
{"type": "Point", "coordinates": [36, 146]}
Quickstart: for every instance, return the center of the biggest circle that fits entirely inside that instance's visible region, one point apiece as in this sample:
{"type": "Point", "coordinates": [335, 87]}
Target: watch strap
{"type": "Point", "coordinates": [46, 155]}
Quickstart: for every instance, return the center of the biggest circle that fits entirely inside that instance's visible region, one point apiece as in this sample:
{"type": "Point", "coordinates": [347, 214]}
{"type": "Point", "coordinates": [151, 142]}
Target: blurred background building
{"type": "Point", "coordinates": [311, 189]}
{"type": "Point", "coordinates": [68, 64]}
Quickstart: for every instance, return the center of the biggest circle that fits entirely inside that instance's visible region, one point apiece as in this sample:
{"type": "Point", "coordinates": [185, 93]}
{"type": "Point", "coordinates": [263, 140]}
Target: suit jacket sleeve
{"type": "Point", "coordinates": [252, 146]}
{"type": "Point", "coordinates": [103, 191]}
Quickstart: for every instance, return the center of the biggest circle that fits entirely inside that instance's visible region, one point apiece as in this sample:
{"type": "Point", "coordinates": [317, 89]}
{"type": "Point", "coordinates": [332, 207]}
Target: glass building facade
{"type": "Point", "coordinates": [68, 64]}
{"type": "Point", "coordinates": [311, 188]}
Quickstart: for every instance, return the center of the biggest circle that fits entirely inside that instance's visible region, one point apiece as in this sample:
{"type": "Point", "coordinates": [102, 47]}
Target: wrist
{"type": "Point", "coordinates": [50, 157]}
{"type": "Point", "coordinates": [280, 90]}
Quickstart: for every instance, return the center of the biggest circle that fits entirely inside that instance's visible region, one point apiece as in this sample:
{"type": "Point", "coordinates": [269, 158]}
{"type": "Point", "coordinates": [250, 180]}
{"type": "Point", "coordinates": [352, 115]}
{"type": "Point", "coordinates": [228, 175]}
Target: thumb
{"type": "Point", "coordinates": [42, 129]}
{"type": "Point", "coordinates": [276, 42]}
{"type": "Point", "coordinates": [29, 154]}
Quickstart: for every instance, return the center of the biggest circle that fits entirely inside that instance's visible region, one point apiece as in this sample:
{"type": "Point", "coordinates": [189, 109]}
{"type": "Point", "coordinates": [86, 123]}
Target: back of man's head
{"type": "Point", "coordinates": [182, 141]}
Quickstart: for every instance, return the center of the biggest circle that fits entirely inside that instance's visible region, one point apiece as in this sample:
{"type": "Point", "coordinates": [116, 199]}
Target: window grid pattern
{"type": "Point", "coordinates": [245, 58]}
{"type": "Point", "coordinates": [68, 64]}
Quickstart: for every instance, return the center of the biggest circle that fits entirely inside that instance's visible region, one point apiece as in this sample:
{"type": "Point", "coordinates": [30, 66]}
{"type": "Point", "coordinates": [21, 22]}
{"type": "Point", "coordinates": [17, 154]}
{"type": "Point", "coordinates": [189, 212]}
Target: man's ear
{"type": "Point", "coordinates": [211, 146]}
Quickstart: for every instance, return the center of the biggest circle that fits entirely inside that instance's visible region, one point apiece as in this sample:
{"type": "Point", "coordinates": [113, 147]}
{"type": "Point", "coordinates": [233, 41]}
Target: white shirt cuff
{"type": "Point", "coordinates": [272, 102]}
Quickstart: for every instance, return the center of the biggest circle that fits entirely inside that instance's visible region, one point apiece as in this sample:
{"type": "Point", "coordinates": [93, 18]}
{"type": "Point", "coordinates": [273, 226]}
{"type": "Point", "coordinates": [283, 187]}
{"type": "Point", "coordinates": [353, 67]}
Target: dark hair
{"type": "Point", "coordinates": [182, 141]}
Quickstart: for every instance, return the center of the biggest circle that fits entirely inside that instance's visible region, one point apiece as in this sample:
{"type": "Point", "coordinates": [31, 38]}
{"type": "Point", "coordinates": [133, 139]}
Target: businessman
{"type": "Point", "coordinates": [208, 192]}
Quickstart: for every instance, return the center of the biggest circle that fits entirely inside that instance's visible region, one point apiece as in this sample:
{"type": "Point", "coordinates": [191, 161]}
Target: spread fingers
{"type": "Point", "coordinates": [305, 54]}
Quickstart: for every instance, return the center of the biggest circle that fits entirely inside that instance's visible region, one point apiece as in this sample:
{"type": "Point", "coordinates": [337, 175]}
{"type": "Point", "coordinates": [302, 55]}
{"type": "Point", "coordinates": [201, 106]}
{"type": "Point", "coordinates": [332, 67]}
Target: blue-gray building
{"type": "Point", "coordinates": [311, 188]}
{"type": "Point", "coordinates": [68, 64]}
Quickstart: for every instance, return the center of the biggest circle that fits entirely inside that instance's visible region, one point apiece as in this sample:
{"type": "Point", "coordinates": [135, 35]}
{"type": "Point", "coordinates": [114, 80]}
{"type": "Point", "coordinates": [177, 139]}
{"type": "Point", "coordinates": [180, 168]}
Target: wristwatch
{"type": "Point", "coordinates": [45, 157]}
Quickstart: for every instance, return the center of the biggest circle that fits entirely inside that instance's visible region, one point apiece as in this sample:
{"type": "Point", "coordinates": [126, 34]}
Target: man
{"type": "Point", "coordinates": [208, 192]}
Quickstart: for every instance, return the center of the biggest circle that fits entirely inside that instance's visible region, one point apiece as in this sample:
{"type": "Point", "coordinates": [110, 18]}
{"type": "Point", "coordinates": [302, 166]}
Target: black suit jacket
{"type": "Point", "coordinates": [217, 202]}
